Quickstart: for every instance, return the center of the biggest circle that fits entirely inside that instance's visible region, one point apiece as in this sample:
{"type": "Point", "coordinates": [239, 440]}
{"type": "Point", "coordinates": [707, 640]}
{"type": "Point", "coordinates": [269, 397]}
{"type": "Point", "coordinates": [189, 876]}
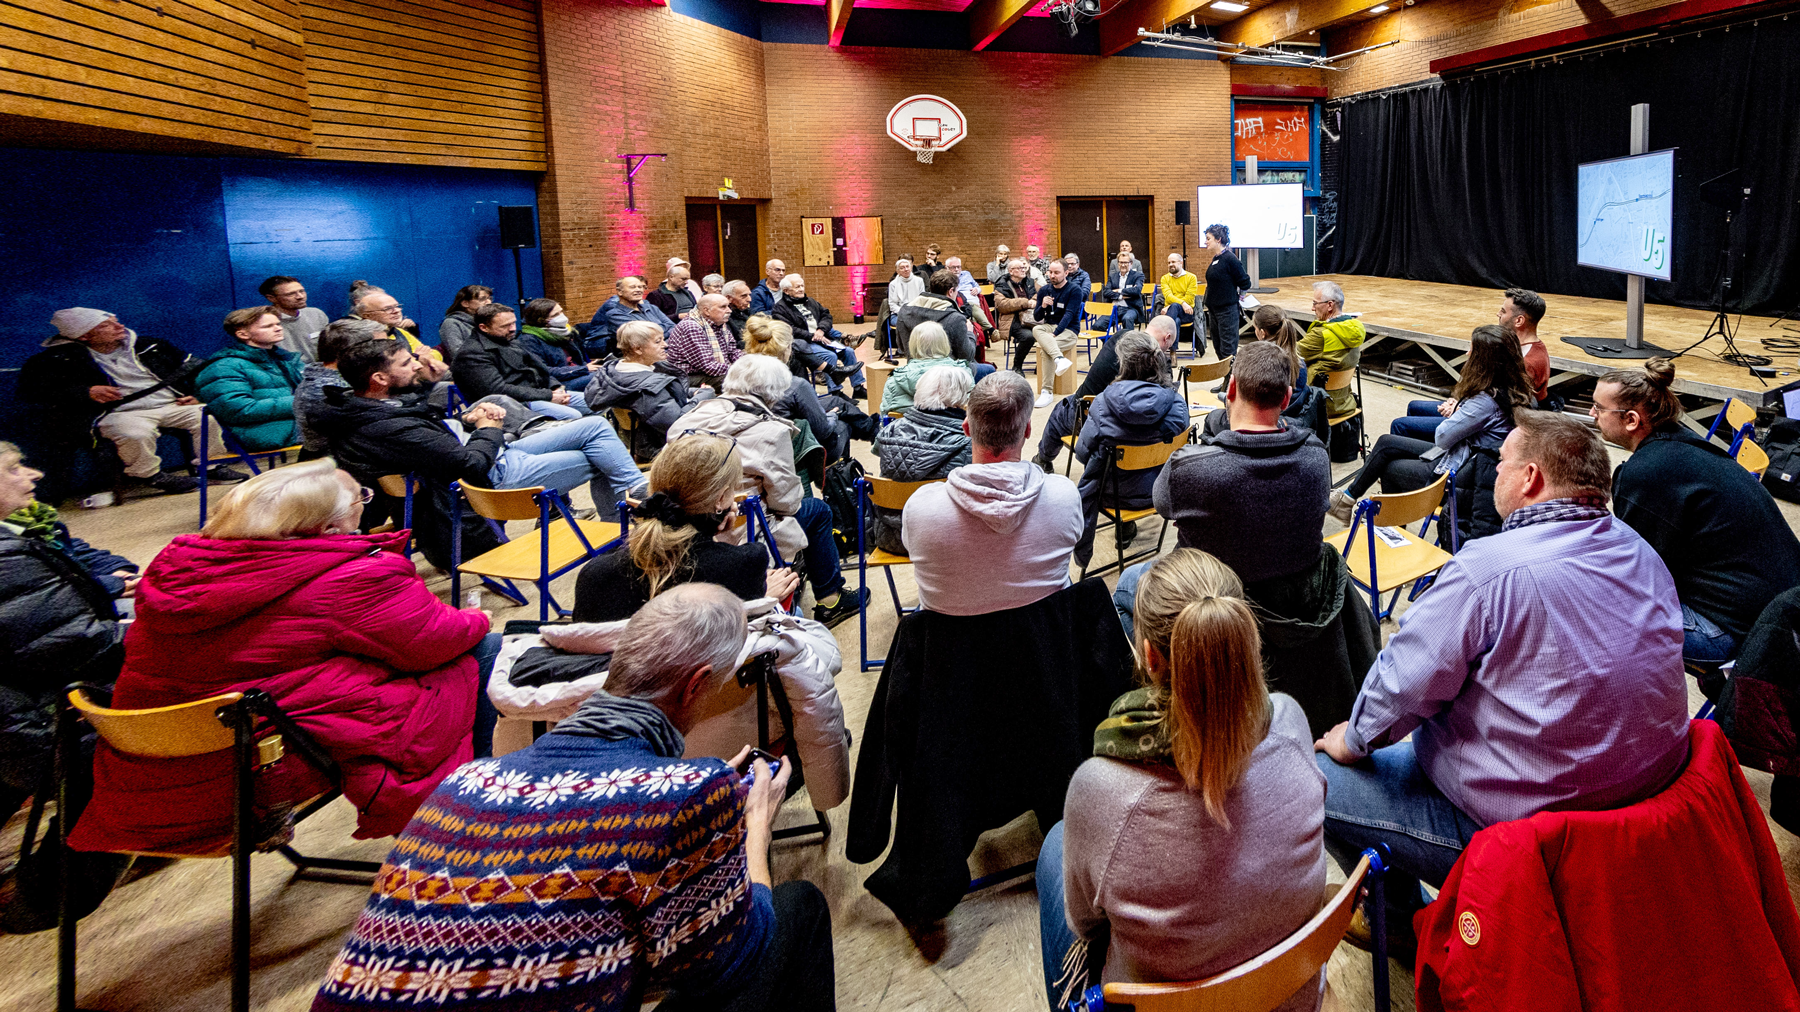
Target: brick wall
{"type": "Point", "coordinates": [1440, 28]}
{"type": "Point", "coordinates": [803, 128]}
{"type": "Point", "coordinates": [622, 78]}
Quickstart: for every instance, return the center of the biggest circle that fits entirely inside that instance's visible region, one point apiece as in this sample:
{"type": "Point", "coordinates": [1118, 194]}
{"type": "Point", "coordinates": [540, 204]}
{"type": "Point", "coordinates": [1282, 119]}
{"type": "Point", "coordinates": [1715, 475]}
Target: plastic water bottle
{"type": "Point", "coordinates": [97, 501]}
{"type": "Point", "coordinates": [472, 598]}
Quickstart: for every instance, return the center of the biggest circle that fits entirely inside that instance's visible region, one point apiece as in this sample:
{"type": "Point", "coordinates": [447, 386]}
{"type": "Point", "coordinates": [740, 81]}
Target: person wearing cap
{"type": "Point", "coordinates": [96, 373]}
{"type": "Point", "coordinates": [678, 294]}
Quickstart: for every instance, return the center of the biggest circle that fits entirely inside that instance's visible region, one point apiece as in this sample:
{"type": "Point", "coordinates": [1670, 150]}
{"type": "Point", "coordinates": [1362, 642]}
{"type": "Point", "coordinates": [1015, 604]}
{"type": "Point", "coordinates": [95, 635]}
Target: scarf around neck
{"type": "Point", "coordinates": [616, 718]}
{"type": "Point", "coordinates": [36, 520]}
{"type": "Point", "coordinates": [1134, 729]}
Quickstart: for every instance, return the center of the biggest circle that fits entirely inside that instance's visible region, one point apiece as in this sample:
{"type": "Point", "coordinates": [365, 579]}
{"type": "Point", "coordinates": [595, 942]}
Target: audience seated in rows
{"type": "Point", "coordinates": [372, 303]}
{"type": "Point", "coordinates": [544, 331]}
{"type": "Point", "coordinates": [1713, 524]}
{"type": "Point", "coordinates": [1125, 289]}
{"type": "Point", "coordinates": [1192, 841]}
{"type": "Point", "coordinates": [1542, 671]}
{"type": "Point", "coordinates": [694, 485]}
{"type": "Point", "coordinates": [1491, 389]}
{"type": "Point", "coordinates": [627, 304]}
{"type": "Point", "coordinates": [280, 593]}
{"type": "Point", "coordinates": [703, 346]}
{"type": "Point", "coordinates": [1065, 417]}
{"type": "Point", "coordinates": [1177, 293]}
{"type": "Point", "coordinates": [678, 294]}
{"type": "Point", "coordinates": [300, 323]}
{"type": "Point", "coordinates": [1020, 523]}
{"type": "Point", "coordinates": [765, 335]}
{"type": "Point", "coordinates": [98, 375]}
{"type": "Point", "coordinates": [1333, 343]}
{"type": "Point", "coordinates": [676, 850]}
{"type": "Point", "coordinates": [1226, 278]}
{"type": "Point", "coordinates": [765, 442]}
{"type": "Point", "coordinates": [249, 386]}
{"type": "Point", "coordinates": [926, 443]}
{"type": "Point", "coordinates": [642, 380]}
{"type": "Point", "coordinates": [459, 320]}
{"type": "Point", "coordinates": [493, 361]}
{"type": "Point", "coordinates": [1519, 314]}
{"type": "Point", "coordinates": [817, 343]}
{"type": "Point", "coordinates": [1137, 409]}
{"type": "Point", "coordinates": [1060, 308]}
{"type": "Point", "coordinates": [934, 306]}
{"type": "Point", "coordinates": [927, 347]}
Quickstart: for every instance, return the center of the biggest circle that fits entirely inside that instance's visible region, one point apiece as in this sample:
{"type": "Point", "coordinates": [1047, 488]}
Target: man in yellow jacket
{"type": "Point", "coordinates": [1333, 341]}
{"type": "Point", "coordinates": [1177, 291]}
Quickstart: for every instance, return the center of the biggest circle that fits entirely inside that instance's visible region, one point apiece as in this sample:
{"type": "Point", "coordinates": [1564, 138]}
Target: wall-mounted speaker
{"type": "Point", "coordinates": [518, 226]}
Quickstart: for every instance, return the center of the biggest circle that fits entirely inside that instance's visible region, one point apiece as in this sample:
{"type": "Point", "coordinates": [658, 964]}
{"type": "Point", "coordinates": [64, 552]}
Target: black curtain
{"type": "Point", "coordinates": [1472, 182]}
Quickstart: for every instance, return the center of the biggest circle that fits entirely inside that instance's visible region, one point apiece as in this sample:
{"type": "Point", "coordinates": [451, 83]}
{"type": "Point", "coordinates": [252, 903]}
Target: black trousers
{"type": "Point", "coordinates": [1223, 322]}
{"type": "Point", "coordinates": [797, 972]}
{"type": "Point", "coordinates": [1395, 462]}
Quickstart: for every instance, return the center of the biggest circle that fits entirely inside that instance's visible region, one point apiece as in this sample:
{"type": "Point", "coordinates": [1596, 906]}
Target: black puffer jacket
{"type": "Point", "coordinates": [918, 447]}
{"type": "Point", "coordinates": [487, 365]}
{"type": "Point", "coordinates": [58, 626]}
{"type": "Point", "coordinates": [658, 395]}
{"type": "Point", "coordinates": [58, 378]}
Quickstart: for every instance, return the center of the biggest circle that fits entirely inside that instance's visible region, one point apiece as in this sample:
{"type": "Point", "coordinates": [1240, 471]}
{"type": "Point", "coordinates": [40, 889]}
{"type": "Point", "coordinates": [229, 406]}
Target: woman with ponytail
{"type": "Point", "coordinates": [1193, 841]}
{"type": "Point", "coordinates": [693, 486]}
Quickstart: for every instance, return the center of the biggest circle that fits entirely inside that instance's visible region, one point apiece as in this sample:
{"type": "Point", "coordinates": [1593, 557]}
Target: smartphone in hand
{"type": "Point", "coordinates": [749, 770]}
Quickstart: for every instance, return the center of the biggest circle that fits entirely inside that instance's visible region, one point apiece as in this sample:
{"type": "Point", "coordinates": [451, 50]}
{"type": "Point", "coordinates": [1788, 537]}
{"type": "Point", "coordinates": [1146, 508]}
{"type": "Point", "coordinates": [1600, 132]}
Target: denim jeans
{"type": "Point", "coordinates": [1183, 316]}
{"type": "Point", "coordinates": [821, 547]}
{"type": "Point", "coordinates": [576, 408]}
{"type": "Point", "coordinates": [982, 369]}
{"type": "Point", "coordinates": [1704, 642]}
{"type": "Point", "coordinates": [586, 449]}
{"type": "Point", "coordinates": [818, 356]}
{"type": "Point", "coordinates": [485, 713]}
{"type": "Point", "coordinates": [1421, 421]}
{"type": "Point", "coordinates": [1125, 594]}
{"type": "Point", "coordinates": [1056, 940]}
{"type": "Point", "coordinates": [1387, 799]}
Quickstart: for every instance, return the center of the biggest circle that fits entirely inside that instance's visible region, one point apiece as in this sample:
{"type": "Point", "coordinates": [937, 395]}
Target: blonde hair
{"type": "Point", "coordinates": [635, 336]}
{"type": "Point", "coordinates": [1190, 609]}
{"type": "Point", "coordinates": [765, 335]}
{"type": "Point", "coordinates": [696, 471]}
{"type": "Point", "coordinates": [928, 340]}
{"type": "Point", "coordinates": [297, 501]}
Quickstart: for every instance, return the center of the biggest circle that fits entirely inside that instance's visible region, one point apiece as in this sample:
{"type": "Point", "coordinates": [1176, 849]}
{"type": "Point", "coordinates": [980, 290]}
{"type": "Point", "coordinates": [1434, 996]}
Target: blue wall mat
{"type": "Point", "coordinates": [172, 244]}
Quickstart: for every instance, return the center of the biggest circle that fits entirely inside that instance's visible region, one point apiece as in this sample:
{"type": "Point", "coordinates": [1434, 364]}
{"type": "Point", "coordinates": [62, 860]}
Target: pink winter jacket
{"type": "Point", "coordinates": [342, 633]}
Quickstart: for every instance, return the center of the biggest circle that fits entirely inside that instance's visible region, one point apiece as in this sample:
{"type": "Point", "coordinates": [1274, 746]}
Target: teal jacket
{"type": "Point", "coordinates": [251, 390]}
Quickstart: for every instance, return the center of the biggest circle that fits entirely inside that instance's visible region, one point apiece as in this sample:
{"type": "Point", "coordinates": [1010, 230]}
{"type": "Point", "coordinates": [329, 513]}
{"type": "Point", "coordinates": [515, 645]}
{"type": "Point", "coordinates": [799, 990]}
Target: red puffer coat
{"type": "Point", "coordinates": [340, 630]}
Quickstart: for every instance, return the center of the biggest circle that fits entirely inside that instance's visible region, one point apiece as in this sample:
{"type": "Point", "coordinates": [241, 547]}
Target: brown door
{"type": "Point", "coordinates": [737, 243]}
{"type": "Point", "coordinates": [703, 239]}
{"type": "Point", "coordinates": [1129, 219]}
{"type": "Point", "coordinates": [1084, 234]}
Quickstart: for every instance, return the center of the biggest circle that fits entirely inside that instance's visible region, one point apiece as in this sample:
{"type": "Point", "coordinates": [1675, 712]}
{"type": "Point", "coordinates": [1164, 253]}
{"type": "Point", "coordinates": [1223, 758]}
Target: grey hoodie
{"type": "Point", "coordinates": [992, 537]}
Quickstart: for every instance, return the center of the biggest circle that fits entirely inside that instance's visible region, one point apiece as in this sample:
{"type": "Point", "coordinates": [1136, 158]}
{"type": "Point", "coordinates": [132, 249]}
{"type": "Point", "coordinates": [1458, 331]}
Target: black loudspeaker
{"type": "Point", "coordinates": [1182, 217]}
{"type": "Point", "coordinates": [518, 226]}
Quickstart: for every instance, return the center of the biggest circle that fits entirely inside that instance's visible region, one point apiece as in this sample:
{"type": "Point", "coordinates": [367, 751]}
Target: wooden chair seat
{"type": "Point", "coordinates": [880, 557]}
{"type": "Point", "coordinates": [522, 559]}
{"type": "Point", "coordinates": [1396, 566]}
{"type": "Point", "coordinates": [1131, 516]}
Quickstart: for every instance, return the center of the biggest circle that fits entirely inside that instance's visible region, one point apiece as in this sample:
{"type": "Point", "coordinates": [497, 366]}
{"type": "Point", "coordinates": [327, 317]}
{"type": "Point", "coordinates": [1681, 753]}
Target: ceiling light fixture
{"type": "Point", "coordinates": [1227, 5]}
{"type": "Point", "coordinates": [1382, 9]}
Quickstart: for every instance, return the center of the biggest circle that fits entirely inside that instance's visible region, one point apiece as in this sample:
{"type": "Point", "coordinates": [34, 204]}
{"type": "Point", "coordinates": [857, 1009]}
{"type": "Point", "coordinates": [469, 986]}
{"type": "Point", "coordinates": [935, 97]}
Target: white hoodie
{"type": "Point", "coordinates": [992, 537]}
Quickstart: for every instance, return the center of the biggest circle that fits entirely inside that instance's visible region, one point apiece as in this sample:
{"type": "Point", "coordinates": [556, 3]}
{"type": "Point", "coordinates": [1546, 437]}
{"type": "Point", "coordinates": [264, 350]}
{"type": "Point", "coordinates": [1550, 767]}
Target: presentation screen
{"type": "Point", "coordinates": [1625, 207]}
{"type": "Point", "coordinates": [1260, 215]}
{"type": "Point", "coordinates": [840, 242]}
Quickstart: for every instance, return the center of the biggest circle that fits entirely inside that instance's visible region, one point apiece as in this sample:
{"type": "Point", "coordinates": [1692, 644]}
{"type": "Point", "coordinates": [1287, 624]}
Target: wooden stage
{"type": "Point", "coordinates": [1435, 316]}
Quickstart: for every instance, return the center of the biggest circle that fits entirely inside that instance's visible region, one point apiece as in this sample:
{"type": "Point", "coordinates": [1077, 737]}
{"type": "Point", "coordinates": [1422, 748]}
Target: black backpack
{"type": "Point", "coordinates": [1782, 444]}
{"type": "Point", "coordinates": [839, 492]}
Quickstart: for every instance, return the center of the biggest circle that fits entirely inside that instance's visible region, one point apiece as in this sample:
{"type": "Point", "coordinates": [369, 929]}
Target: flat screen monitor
{"type": "Point", "coordinates": [1260, 215]}
{"type": "Point", "coordinates": [1625, 208]}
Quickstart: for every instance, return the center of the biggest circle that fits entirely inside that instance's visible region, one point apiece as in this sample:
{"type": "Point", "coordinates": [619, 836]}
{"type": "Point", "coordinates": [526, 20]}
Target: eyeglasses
{"type": "Point", "coordinates": [368, 495]}
{"type": "Point", "coordinates": [1595, 410]}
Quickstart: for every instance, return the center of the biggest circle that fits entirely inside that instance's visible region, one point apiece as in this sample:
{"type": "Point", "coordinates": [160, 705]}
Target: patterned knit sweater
{"type": "Point", "coordinates": [567, 876]}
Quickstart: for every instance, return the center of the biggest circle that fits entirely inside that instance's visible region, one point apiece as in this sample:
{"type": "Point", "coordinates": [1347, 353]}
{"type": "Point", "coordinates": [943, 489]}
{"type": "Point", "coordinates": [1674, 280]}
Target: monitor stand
{"type": "Point", "coordinates": [1615, 347]}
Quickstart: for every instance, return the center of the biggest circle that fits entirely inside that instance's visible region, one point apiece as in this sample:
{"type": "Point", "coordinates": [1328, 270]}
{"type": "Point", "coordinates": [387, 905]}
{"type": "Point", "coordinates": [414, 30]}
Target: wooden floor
{"type": "Point", "coordinates": [160, 942]}
{"type": "Point", "coordinates": [1443, 316]}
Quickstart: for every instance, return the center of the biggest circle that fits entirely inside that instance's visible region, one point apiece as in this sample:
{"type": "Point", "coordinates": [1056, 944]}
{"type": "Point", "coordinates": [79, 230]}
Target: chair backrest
{"type": "Point", "coordinates": [889, 494]}
{"type": "Point", "coordinates": [1752, 456]}
{"type": "Point", "coordinates": [1142, 458]}
{"type": "Point", "coordinates": [1200, 372]}
{"type": "Point", "coordinates": [1405, 508]}
{"type": "Point", "coordinates": [1263, 982]}
{"type": "Point", "coordinates": [393, 484]}
{"type": "Point", "coordinates": [162, 732]}
{"type": "Point", "coordinates": [1737, 413]}
{"type": "Point", "coordinates": [504, 503]}
{"type": "Point", "coordinates": [1338, 379]}
{"type": "Point", "coordinates": [625, 419]}
{"type": "Point", "coordinates": [1099, 309]}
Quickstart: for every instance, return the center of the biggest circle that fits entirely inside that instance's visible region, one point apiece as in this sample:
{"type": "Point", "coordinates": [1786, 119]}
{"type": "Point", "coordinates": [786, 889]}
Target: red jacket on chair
{"type": "Point", "coordinates": [342, 633]}
{"type": "Point", "coordinates": [1676, 902]}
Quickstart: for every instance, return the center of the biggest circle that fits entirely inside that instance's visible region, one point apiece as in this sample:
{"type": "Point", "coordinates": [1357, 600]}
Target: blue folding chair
{"type": "Point", "coordinates": [1734, 414]}
{"type": "Point", "coordinates": [238, 452]}
{"type": "Point", "coordinates": [560, 546]}
{"type": "Point", "coordinates": [1415, 561]}
{"type": "Point", "coordinates": [757, 527]}
{"type": "Point", "coordinates": [886, 494]}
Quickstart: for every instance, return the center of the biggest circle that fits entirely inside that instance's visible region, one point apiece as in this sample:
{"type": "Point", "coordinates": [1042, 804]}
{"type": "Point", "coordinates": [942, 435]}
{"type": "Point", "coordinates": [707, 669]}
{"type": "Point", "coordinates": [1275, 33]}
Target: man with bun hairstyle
{"type": "Point", "coordinates": [1717, 529]}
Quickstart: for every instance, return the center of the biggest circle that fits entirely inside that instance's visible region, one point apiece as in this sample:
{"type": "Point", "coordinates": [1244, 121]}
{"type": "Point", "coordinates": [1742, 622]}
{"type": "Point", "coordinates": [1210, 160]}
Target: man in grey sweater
{"type": "Point", "coordinates": [1250, 496]}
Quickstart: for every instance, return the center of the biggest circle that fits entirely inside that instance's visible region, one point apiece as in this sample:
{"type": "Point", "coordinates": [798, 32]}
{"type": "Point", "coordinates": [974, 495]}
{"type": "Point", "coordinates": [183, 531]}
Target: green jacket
{"type": "Point", "coordinates": [251, 392]}
{"type": "Point", "coordinates": [1331, 345]}
{"type": "Point", "coordinates": [898, 394]}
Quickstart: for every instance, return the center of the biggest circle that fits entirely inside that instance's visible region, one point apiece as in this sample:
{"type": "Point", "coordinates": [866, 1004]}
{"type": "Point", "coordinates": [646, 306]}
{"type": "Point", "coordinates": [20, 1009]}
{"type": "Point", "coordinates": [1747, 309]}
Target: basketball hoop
{"type": "Point", "coordinates": [926, 124]}
{"type": "Point", "coordinates": [922, 148]}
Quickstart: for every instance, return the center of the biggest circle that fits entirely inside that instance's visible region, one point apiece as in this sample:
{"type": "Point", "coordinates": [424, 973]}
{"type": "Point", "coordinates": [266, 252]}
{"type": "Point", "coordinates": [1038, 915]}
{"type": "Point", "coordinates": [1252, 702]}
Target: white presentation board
{"type": "Point", "coordinates": [1260, 215]}
{"type": "Point", "coordinates": [1626, 206]}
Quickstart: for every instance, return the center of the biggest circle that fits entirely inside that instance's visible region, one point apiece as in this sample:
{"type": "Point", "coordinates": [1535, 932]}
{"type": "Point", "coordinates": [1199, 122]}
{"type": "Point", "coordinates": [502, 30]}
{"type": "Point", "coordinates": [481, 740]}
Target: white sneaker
{"type": "Point", "coordinates": [1063, 365]}
{"type": "Point", "coordinates": [1044, 398]}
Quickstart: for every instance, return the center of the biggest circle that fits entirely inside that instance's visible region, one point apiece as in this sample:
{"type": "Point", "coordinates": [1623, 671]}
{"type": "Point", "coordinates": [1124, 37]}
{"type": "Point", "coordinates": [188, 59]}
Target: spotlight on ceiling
{"type": "Point", "coordinates": [1382, 9]}
{"type": "Point", "coordinates": [1229, 7]}
{"type": "Point", "coordinates": [1088, 8]}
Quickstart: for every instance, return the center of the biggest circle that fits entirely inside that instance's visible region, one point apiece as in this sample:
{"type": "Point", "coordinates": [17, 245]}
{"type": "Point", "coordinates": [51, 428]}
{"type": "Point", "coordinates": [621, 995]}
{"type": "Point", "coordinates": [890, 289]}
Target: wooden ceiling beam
{"type": "Point", "coordinates": [1119, 27]}
{"type": "Point", "coordinates": [837, 12]}
{"type": "Point", "coordinates": [989, 18]}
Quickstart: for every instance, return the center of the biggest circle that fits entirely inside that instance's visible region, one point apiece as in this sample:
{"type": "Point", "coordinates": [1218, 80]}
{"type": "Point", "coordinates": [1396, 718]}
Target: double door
{"type": "Point", "coordinates": [722, 240]}
{"type": "Point", "coordinates": [1093, 226]}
